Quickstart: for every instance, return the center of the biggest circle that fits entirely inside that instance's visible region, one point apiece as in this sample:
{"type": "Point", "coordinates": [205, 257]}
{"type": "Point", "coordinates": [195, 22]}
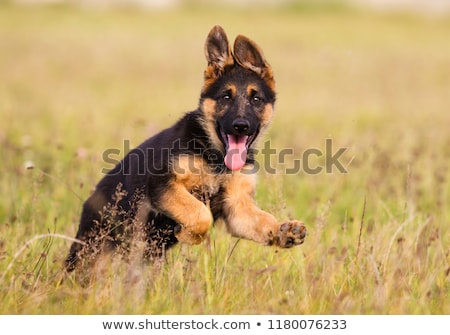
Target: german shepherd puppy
{"type": "Point", "coordinates": [177, 183]}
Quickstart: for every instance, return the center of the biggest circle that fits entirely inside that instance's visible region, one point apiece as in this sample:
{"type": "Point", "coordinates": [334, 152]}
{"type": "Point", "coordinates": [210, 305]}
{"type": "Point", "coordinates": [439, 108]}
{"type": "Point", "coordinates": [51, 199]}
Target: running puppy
{"type": "Point", "coordinates": [177, 183]}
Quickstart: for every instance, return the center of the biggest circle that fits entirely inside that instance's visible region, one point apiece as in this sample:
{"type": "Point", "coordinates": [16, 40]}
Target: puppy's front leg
{"type": "Point", "coordinates": [193, 216]}
{"type": "Point", "coordinates": [244, 219]}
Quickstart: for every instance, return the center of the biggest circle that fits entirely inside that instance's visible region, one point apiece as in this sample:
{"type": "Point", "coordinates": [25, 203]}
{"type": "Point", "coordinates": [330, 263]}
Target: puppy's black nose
{"type": "Point", "coordinates": [241, 125]}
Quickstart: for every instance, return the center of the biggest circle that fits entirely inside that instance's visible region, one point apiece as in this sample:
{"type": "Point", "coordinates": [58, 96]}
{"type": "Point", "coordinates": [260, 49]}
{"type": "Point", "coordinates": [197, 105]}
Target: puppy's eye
{"type": "Point", "coordinates": [226, 98]}
{"type": "Point", "coordinates": [257, 100]}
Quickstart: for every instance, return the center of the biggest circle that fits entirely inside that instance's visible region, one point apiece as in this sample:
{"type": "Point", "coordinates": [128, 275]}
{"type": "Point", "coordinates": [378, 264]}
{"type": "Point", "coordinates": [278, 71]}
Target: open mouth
{"type": "Point", "coordinates": [236, 149]}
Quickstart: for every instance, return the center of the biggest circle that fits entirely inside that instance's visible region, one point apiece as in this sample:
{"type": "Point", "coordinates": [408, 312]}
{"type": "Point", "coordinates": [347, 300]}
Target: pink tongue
{"type": "Point", "coordinates": [237, 152]}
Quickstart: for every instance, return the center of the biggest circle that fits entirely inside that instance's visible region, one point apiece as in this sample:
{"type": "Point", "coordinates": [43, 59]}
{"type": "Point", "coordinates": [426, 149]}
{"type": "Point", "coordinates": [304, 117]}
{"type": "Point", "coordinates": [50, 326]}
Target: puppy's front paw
{"type": "Point", "coordinates": [290, 234]}
{"type": "Point", "coordinates": [185, 236]}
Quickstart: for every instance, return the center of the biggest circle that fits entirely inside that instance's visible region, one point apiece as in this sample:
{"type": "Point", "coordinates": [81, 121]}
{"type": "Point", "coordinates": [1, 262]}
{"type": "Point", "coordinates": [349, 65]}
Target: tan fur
{"type": "Point", "coordinates": [233, 89]}
{"type": "Point", "coordinates": [192, 172]}
{"type": "Point", "coordinates": [251, 88]}
{"type": "Point", "coordinates": [244, 218]}
{"type": "Point", "coordinates": [266, 116]}
{"type": "Point", "coordinates": [193, 216]}
{"type": "Point", "coordinates": [209, 110]}
{"type": "Point", "coordinates": [192, 175]}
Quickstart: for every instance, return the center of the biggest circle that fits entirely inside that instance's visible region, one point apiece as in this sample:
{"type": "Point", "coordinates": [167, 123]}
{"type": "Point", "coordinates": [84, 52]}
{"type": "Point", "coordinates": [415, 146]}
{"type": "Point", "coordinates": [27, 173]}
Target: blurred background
{"type": "Point", "coordinates": [432, 5]}
{"type": "Point", "coordinates": [436, 6]}
{"type": "Point", "coordinates": [81, 77]}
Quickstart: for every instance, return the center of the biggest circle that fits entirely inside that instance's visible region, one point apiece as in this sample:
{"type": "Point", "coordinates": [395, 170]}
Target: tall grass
{"type": "Point", "coordinates": [76, 82]}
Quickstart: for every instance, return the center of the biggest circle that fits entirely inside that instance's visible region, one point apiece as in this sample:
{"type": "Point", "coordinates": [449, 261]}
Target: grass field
{"type": "Point", "coordinates": [75, 82]}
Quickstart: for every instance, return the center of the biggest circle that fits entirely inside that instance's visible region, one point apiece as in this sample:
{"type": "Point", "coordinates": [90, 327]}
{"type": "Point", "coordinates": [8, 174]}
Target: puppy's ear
{"type": "Point", "coordinates": [218, 54]}
{"type": "Point", "coordinates": [250, 56]}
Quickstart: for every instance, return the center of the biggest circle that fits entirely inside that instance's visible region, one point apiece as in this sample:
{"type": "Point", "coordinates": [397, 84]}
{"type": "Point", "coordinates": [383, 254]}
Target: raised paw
{"type": "Point", "coordinates": [290, 234]}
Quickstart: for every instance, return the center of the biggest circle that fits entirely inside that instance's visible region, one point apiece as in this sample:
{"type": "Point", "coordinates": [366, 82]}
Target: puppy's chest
{"type": "Point", "coordinates": [208, 186]}
{"type": "Point", "coordinates": [199, 179]}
